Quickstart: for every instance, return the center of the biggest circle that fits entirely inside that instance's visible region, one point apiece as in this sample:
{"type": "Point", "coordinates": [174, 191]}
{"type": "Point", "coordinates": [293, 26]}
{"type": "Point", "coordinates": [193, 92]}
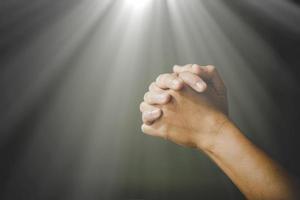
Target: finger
{"type": "Point", "coordinates": [150, 113]}
{"type": "Point", "coordinates": [193, 81]}
{"type": "Point", "coordinates": [156, 98]}
{"type": "Point", "coordinates": [154, 88]}
{"type": "Point", "coordinates": [150, 116]}
{"type": "Point", "coordinates": [193, 68]}
{"type": "Point", "coordinates": [169, 81]}
{"type": "Point", "coordinates": [147, 107]}
{"type": "Point", "coordinates": [207, 73]}
{"type": "Point", "coordinates": [150, 130]}
{"type": "Point", "coordinates": [211, 74]}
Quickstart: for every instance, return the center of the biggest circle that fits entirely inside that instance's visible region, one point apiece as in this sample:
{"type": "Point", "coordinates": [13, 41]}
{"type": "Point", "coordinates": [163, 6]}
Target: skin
{"type": "Point", "coordinates": [189, 107]}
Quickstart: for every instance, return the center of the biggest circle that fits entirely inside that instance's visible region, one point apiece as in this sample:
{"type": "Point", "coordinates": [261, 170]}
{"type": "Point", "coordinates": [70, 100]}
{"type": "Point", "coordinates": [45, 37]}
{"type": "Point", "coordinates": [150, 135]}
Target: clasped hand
{"type": "Point", "coordinates": [188, 106]}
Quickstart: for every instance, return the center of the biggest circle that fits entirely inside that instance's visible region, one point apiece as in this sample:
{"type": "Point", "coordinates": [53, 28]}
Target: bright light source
{"type": "Point", "coordinates": [137, 4]}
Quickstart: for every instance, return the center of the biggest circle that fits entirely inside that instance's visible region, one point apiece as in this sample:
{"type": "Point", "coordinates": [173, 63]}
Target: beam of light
{"type": "Point", "coordinates": [137, 5]}
{"type": "Point", "coordinates": [84, 77]}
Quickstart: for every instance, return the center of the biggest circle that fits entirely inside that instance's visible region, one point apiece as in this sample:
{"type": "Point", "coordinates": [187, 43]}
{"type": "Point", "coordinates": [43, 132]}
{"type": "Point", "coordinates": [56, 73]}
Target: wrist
{"type": "Point", "coordinates": [220, 125]}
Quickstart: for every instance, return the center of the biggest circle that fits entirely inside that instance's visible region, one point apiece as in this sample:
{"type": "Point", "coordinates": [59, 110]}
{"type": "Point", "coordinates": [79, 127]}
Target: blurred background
{"type": "Point", "coordinates": [73, 72]}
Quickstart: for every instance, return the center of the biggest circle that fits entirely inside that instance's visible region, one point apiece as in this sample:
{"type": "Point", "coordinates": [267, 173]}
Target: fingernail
{"type": "Point", "coordinates": [155, 113]}
{"type": "Point", "coordinates": [162, 97]}
{"type": "Point", "coordinates": [176, 83]}
{"type": "Point", "coordinates": [152, 114]}
{"type": "Point", "coordinates": [201, 86]}
{"type": "Point", "coordinates": [196, 69]}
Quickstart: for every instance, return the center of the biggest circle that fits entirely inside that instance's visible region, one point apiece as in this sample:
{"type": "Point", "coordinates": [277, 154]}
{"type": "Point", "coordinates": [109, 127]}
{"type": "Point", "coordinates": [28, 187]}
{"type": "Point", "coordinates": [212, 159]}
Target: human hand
{"type": "Point", "coordinates": [191, 110]}
{"type": "Point", "coordinates": [190, 118]}
{"type": "Point", "coordinates": [172, 81]}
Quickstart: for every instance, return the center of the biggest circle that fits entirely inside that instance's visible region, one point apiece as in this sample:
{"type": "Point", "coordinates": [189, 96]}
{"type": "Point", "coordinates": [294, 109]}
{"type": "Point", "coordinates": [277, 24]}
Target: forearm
{"type": "Point", "coordinates": [197, 120]}
{"type": "Point", "coordinates": [253, 172]}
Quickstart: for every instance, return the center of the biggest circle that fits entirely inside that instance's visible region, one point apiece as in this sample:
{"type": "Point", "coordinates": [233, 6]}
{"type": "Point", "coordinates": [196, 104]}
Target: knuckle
{"type": "Point", "coordinates": [144, 128]}
{"type": "Point", "coordinates": [146, 96]}
{"type": "Point", "coordinates": [152, 86]}
{"type": "Point", "coordinates": [184, 74]}
{"type": "Point", "coordinates": [188, 65]}
{"type": "Point", "coordinates": [172, 77]}
{"type": "Point", "coordinates": [143, 106]}
{"type": "Point", "coordinates": [196, 69]}
{"type": "Point", "coordinates": [145, 117]}
{"type": "Point", "coordinates": [165, 99]}
{"type": "Point", "coordinates": [159, 78]}
{"type": "Point", "coordinates": [162, 77]}
{"type": "Point", "coordinates": [211, 68]}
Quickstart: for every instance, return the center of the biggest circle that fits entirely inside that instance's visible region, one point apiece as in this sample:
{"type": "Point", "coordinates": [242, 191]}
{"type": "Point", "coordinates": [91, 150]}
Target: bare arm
{"type": "Point", "coordinates": [191, 111]}
{"type": "Point", "coordinates": [253, 172]}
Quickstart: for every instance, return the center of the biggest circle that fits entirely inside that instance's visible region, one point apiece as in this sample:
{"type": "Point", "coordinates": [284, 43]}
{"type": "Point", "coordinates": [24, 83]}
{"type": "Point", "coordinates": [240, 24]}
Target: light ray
{"type": "Point", "coordinates": [84, 76]}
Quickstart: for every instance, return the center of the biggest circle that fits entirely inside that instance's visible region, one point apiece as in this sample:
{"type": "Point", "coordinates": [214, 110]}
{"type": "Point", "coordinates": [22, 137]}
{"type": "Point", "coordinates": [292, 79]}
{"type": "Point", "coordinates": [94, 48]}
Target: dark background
{"type": "Point", "coordinates": [22, 21]}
